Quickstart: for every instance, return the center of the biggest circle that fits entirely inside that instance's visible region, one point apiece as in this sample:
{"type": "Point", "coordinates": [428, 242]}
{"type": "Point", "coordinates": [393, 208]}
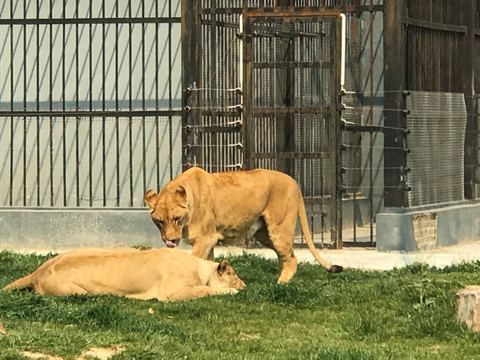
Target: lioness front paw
{"type": "Point", "coordinates": [229, 291]}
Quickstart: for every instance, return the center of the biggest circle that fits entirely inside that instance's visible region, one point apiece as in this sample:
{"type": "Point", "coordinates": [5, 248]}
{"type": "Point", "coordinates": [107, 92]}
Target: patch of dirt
{"type": "Point", "coordinates": [36, 355]}
{"type": "Point", "coordinates": [100, 353]}
{"type": "Point", "coordinates": [93, 353]}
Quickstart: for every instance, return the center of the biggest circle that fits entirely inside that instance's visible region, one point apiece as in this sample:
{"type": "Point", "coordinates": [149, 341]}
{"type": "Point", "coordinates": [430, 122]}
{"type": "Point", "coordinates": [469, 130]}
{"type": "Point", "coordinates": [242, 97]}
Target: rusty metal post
{"type": "Point", "coordinates": [336, 183]}
{"type": "Point", "coordinates": [394, 103]}
{"type": "Point", "coordinates": [248, 120]}
{"type": "Point", "coordinates": [191, 62]}
{"type": "Point", "coordinates": [468, 81]}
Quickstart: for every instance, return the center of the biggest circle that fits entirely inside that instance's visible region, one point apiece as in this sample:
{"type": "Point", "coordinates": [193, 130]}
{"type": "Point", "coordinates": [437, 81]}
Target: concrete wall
{"type": "Point", "coordinates": [55, 229]}
{"type": "Point", "coordinates": [411, 230]}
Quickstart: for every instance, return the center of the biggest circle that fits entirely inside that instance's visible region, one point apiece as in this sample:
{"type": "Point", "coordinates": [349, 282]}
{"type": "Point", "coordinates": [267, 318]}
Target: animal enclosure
{"type": "Point", "coordinates": [103, 100]}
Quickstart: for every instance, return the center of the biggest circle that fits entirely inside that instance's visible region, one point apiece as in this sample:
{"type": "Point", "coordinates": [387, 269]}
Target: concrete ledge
{"type": "Point", "coordinates": [47, 228]}
{"type": "Point", "coordinates": [65, 228]}
{"type": "Point", "coordinates": [428, 228]}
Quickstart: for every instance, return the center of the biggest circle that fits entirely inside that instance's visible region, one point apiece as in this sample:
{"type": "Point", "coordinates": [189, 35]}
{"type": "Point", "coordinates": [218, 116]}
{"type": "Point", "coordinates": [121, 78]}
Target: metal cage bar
{"type": "Point", "coordinates": [85, 122]}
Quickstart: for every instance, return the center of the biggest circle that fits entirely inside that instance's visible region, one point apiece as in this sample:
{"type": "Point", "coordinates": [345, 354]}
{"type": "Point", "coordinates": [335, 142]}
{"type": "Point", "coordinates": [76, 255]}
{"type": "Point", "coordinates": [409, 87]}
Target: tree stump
{"type": "Point", "coordinates": [468, 306]}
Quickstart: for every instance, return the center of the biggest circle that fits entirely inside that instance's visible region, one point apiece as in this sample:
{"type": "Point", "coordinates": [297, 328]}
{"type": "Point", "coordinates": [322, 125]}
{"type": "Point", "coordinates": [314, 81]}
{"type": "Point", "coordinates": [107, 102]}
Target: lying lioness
{"type": "Point", "coordinates": [160, 274]}
{"type": "Point", "coordinates": [233, 206]}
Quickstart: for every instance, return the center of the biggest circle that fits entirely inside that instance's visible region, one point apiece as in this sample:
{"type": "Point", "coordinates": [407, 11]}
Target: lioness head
{"type": "Point", "coordinates": [169, 212]}
{"type": "Point", "coordinates": [227, 276]}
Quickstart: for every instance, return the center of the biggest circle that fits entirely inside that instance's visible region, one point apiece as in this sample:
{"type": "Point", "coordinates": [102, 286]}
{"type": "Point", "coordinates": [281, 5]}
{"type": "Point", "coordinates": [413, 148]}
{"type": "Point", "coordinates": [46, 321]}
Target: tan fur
{"type": "Point", "coordinates": [160, 274]}
{"type": "Point", "coordinates": [233, 206]}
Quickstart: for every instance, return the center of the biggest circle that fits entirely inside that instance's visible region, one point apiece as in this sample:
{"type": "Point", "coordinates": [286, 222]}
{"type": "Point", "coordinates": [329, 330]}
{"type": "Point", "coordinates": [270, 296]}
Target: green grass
{"type": "Point", "coordinates": [403, 314]}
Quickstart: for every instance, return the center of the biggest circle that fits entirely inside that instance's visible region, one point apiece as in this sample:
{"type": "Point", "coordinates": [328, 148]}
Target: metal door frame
{"type": "Point", "coordinates": [334, 153]}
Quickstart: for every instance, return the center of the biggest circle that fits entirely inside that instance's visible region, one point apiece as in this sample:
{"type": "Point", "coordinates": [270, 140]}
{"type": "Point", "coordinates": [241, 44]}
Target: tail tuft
{"type": "Point", "coordinates": [335, 269]}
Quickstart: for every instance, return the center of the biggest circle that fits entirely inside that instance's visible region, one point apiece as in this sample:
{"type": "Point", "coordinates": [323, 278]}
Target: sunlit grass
{"type": "Point", "coordinates": [405, 313]}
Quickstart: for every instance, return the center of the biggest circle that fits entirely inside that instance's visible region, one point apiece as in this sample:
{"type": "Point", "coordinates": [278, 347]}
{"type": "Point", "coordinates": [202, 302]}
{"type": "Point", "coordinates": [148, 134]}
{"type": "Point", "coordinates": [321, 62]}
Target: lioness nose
{"type": "Point", "coordinates": [240, 283]}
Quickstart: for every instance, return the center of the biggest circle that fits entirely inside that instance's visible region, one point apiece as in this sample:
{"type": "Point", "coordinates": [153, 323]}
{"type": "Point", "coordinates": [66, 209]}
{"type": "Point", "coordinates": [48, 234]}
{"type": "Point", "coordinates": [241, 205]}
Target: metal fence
{"type": "Point", "coordinates": [60, 161]}
{"type": "Point", "coordinates": [93, 110]}
{"type": "Point", "coordinates": [89, 101]}
{"type": "Point", "coordinates": [441, 56]}
{"type": "Point", "coordinates": [263, 91]}
{"type": "Point", "coordinates": [435, 162]}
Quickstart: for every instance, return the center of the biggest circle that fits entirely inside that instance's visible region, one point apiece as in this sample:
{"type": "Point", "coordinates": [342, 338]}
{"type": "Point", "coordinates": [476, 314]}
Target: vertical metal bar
{"type": "Point", "coordinates": [170, 69]}
{"type": "Point", "coordinates": [299, 57]}
{"type": "Point", "coordinates": [144, 167]}
{"type": "Point", "coordinates": [64, 145]}
{"type": "Point", "coordinates": [338, 143]}
{"type": "Point", "coordinates": [50, 105]}
{"type": "Point", "coordinates": [90, 125]}
{"type": "Point", "coordinates": [24, 104]}
{"type": "Point", "coordinates": [12, 98]}
{"type": "Point", "coordinates": [191, 74]}
{"type": "Point", "coordinates": [77, 119]}
{"type": "Point", "coordinates": [356, 184]}
{"type": "Point", "coordinates": [212, 85]}
{"type": "Point", "coordinates": [229, 152]}
{"type": "Point", "coordinates": [394, 101]}
{"type": "Point", "coordinates": [104, 170]}
{"type": "Point", "coordinates": [335, 139]}
{"type": "Point", "coordinates": [130, 96]}
{"type": "Point", "coordinates": [249, 131]}
{"type": "Point", "coordinates": [38, 103]}
{"type": "Point", "coordinates": [240, 50]}
{"type": "Point", "coordinates": [117, 135]}
{"type": "Point", "coordinates": [468, 64]}
{"type": "Point", "coordinates": [322, 138]}
{"type": "Point", "coordinates": [157, 139]}
{"type": "Point", "coordinates": [287, 142]}
{"type": "Point", "coordinates": [370, 173]}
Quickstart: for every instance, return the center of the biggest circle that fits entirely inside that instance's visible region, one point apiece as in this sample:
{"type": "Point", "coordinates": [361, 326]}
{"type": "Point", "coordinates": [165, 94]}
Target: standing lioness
{"type": "Point", "coordinates": [233, 206]}
{"type": "Point", "coordinates": [160, 274]}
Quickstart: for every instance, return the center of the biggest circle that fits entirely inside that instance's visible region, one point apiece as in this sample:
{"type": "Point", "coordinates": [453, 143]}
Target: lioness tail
{"type": "Point", "coordinates": [302, 215]}
{"type": "Point", "coordinates": [23, 283]}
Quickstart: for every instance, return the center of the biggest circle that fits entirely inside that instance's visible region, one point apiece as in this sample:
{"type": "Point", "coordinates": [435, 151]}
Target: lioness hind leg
{"type": "Point", "coordinates": [280, 224]}
{"type": "Point", "coordinates": [288, 264]}
{"type": "Point", "coordinates": [283, 247]}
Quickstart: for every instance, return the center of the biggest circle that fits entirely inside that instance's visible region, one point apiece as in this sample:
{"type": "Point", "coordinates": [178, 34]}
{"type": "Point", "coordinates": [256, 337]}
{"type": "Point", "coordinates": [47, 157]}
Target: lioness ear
{"type": "Point", "coordinates": [181, 191]}
{"type": "Point", "coordinates": [181, 196]}
{"type": "Point", "coordinates": [150, 198]}
{"type": "Point", "coordinates": [223, 266]}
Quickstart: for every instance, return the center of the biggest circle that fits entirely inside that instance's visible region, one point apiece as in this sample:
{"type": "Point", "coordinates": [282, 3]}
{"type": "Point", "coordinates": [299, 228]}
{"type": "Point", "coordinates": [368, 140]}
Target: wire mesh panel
{"type": "Point", "coordinates": [437, 122]}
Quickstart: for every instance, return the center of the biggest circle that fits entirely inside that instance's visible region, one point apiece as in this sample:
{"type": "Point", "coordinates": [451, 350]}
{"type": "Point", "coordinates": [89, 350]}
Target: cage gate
{"type": "Point", "coordinates": [266, 95]}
